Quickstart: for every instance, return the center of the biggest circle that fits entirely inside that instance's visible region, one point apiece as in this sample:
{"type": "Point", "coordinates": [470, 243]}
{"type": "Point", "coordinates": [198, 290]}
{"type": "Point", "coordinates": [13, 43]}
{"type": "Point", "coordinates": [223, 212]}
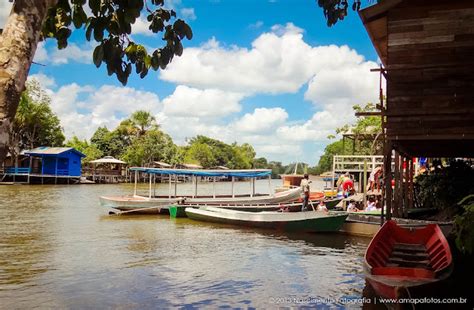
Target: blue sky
{"type": "Point", "coordinates": [270, 73]}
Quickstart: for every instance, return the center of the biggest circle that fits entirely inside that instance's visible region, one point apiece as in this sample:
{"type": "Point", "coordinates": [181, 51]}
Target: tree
{"type": "Point", "coordinates": [370, 126]}
{"type": "Point", "coordinates": [35, 124]}
{"type": "Point", "coordinates": [108, 24]}
{"type": "Point", "coordinates": [200, 153]}
{"type": "Point", "coordinates": [335, 10]}
{"type": "Point", "coordinates": [154, 145]}
{"type": "Point", "coordinates": [143, 120]}
{"type": "Point", "coordinates": [90, 150]}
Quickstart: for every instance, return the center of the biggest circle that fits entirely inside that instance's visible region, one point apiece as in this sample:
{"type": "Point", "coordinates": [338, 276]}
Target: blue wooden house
{"type": "Point", "coordinates": [55, 161]}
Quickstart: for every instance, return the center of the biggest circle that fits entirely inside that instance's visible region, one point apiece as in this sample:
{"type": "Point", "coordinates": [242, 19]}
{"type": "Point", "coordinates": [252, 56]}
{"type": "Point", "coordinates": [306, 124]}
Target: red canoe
{"type": "Point", "coordinates": [402, 263]}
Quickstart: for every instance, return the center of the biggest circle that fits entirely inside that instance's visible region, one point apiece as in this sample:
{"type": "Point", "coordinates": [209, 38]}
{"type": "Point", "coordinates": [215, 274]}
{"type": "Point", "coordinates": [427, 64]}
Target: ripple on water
{"type": "Point", "coordinates": [59, 249]}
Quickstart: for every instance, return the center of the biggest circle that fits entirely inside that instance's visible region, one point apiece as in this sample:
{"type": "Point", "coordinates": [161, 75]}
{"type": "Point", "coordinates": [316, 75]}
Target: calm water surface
{"type": "Point", "coordinates": [60, 249]}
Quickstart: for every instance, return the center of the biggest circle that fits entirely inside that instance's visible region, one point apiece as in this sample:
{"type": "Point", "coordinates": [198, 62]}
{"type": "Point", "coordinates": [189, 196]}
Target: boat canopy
{"type": "Point", "coordinates": [247, 173]}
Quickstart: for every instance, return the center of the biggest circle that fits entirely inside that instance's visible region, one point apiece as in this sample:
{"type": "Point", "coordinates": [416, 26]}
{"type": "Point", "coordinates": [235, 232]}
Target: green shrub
{"type": "Point", "coordinates": [464, 226]}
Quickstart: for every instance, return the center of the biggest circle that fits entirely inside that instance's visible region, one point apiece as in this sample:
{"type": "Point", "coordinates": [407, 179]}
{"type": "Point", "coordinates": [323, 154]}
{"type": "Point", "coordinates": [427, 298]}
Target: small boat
{"type": "Point", "coordinates": [310, 221]}
{"type": "Point", "coordinates": [407, 263]}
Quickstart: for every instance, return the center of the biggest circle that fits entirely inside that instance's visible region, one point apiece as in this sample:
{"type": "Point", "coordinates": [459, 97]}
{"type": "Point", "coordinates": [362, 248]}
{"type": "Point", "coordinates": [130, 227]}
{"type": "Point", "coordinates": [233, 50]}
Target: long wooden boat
{"type": "Point", "coordinates": [309, 221]}
{"type": "Point", "coordinates": [161, 204]}
{"type": "Point", "coordinates": [403, 263]}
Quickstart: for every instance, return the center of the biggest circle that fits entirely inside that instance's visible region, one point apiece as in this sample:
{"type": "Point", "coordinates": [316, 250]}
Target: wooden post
{"type": "Point", "coordinates": [154, 185]}
{"type": "Point", "coordinates": [405, 188]}
{"type": "Point", "coordinates": [195, 186]}
{"type": "Point", "coordinates": [233, 180]}
{"type": "Point", "coordinates": [149, 187]}
{"type": "Point", "coordinates": [251, 191]}
{"type": "Point", "coordinates": [270, 184]}
{"type": "Point", "coordinates": [175, 185]}
{"type": "Point", "coordinates": [169, 187]}
{"type": "Point", "coordinates": [333, 172]}
{"type": "Point", "coordinates": [135, 186]}
{"type": "Point", "coordinates": [214, 187]}
{"type": "Point", "coordinates": [396, 201]}
{"type": "Point", "coordinates": [387, 176]}
{"type": "Point", "coordinates": [364, 184]}
{"type": "Point", "coordinates": [410, 185]}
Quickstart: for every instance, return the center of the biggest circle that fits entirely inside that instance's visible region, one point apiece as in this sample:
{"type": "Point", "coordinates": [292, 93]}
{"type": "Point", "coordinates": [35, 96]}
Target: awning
{"type": "Point", "coordinates": [247, 173]}
{"type": "Point", "coordinates": [107, 160]}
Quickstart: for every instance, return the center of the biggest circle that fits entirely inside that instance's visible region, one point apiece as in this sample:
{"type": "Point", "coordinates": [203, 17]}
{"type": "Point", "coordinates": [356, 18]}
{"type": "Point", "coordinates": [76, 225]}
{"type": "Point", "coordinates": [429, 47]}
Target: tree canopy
{"type": "Point", "coordinates": [35, 124]}
{"type": "Point", "coordinates": [110, 25]}
{"type": "Point", "coordinates": [335, 10]}
{"type": "Point", "coordinates": [369, 126]}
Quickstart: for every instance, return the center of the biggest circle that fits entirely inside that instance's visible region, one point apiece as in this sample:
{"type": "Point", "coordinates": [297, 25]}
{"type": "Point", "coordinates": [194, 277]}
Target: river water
{"type": "Point", "coordinates": [60, 249]}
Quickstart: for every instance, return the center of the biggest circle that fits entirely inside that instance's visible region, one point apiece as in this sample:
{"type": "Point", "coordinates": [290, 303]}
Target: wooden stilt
{"type": "Point", "coordinates": [387, 165]}
{"type": "Point", "coordinates": [396, 201]}
{"type": "Point", "coordinates": [135, 186]}
{"type": "Point", "coordinates": [233, 180]}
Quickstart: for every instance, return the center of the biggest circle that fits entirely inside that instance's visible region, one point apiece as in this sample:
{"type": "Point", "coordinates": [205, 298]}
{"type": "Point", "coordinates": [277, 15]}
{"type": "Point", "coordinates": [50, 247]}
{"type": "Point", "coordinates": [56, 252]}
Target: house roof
{"type": "Point", "coordinates": [192, 166]}
{"type": "Point", "coordinates": [107, 160]}
{"type": "Point", "coordinates": [162, 164]}
{"type": "Point", "coordinates": [374, 19]}
{"type": "Point", "coordinates": [46, 150]}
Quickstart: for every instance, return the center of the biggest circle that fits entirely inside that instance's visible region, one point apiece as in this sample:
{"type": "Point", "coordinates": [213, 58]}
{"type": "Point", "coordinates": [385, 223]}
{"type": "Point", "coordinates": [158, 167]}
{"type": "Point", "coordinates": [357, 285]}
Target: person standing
{"type": "Point", "coordinates": [305, 188]}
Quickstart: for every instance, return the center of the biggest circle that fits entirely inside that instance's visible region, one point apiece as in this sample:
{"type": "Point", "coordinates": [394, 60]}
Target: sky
{"type": "Point", "coordinates": [265, 72]}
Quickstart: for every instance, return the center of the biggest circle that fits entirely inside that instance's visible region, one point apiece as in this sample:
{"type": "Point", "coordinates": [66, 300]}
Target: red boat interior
{"type": "Point", "coordinates": [408, 253]}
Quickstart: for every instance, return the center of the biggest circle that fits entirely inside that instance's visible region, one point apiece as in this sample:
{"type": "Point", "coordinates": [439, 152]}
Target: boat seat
{"type": "Point", "coordinates": [408, 247]}
{"type": "Point", "coordinates": [400, 262]}
{"type": "Point", "coordinates": [412, 256]}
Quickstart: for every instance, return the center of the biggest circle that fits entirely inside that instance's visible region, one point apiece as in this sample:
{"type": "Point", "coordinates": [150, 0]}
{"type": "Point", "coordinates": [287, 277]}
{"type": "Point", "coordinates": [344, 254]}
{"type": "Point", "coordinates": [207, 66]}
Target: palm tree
{"type": "Point", "coordinates": [143, 121]}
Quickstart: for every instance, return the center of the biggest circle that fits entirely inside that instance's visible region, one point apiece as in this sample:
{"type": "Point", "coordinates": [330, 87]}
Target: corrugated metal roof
{"type": "Point", "coordinates": [46, 150]}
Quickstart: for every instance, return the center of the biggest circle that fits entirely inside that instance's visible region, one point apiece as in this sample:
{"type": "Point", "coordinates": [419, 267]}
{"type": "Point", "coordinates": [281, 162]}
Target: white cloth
{"type": "Point", "coordinates": [305, 185]}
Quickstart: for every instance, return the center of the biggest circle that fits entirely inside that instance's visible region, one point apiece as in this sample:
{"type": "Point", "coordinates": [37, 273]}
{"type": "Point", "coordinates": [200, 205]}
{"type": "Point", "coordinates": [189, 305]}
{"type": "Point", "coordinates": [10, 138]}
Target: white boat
{"type": "Point", "coordinates": [309, 221]}
{"type": "Point", "coordinates": [158, 204]}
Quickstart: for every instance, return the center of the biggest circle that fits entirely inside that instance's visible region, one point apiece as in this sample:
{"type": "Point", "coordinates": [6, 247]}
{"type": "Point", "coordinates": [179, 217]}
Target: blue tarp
{"type": "Point", "coordinates": [207, 173]}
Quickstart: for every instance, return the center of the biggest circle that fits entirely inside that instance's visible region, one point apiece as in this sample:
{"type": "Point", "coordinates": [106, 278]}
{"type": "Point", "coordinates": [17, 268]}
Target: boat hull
{"type": "Point", "coordinates": [288, 221]}
{"type": "Point", "coordinates": [402, 263]}
{"type": "Point", "coordinates": [137, 204]}
{"type": "Point", "coordinates": [146, 205]}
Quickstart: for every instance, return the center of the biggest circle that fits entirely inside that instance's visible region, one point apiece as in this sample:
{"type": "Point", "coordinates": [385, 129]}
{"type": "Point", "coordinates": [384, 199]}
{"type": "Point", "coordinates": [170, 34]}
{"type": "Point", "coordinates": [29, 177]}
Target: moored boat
{"type": "Point", "coordinates": [402, 263]}
{"type": "Point", "coordinates": [159, 204]}
{"type": "Point", "coordinates": [310, 221]}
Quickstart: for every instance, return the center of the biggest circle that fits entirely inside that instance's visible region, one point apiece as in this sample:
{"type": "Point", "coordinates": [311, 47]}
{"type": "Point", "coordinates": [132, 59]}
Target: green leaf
{"type": "Point", "coordinates": [98, 55]}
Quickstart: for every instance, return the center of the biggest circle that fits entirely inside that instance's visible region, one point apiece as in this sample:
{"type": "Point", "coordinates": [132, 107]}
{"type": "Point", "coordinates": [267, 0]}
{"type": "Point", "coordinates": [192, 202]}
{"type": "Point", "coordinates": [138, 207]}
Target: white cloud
{"type": "Point", "coordinates": [74, 53]}
{"type": "Point", "coordinates": [141, 27]}
{"type": "Point", "coordinates": [278, 62]}
{"type": "Point", "coordinates": [46, 82]}
{"type": "Point", "coordinates": [41, 55]}
{"type": "Point", "coordinates": [187, 101]}
{"type": "Point", "coordinates": [261, 120]}
{"type": "Point", "coordinates": [213, 81]}
{"type": "Point", "coordinates": [257, 25]}
{"type": "Point", "coordinates": [188, 14]}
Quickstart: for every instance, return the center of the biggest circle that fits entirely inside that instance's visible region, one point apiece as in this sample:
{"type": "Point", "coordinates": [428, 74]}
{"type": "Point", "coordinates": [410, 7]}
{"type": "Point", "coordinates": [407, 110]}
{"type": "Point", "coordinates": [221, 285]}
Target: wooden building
{"type": "Point", "coordinates": [106, 170]}
{"type": "Point", "coordinates": [47, 165]}
{"type": "Point", "coordinates": [427, 49]}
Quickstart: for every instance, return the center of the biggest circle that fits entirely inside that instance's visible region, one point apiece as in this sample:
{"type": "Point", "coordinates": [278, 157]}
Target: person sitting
{"type": "Point", "coordinates": [351, 207]}
{"type": "Point", "coordinates": [322, 206]}
{"type": "Point", "coordinates": [371, 205]}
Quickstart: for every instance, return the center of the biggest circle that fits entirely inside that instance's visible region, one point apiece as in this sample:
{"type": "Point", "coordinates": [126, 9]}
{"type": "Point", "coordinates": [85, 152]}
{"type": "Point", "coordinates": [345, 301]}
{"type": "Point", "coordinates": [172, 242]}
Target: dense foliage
{"type": "Point", "coordinates": [448, 184]}
{"type": "Point", "coordinates": [35, 124]}
{"type": "Point", "coordinates": [464, 227]}
{"type": "Point", "coordinates": [109, 23]}
{"type": "Point", "coordinates": [335, 10]}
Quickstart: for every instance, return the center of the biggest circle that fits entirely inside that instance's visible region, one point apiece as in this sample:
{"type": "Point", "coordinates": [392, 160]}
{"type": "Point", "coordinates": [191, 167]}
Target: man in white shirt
{"type": "Point", "coordinates": [305, 188]}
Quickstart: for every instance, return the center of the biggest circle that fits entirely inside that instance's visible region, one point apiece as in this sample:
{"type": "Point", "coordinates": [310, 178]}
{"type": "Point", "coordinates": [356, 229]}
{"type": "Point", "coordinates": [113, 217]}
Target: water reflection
{"type": "Point", "coordinates": [63, 251]}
